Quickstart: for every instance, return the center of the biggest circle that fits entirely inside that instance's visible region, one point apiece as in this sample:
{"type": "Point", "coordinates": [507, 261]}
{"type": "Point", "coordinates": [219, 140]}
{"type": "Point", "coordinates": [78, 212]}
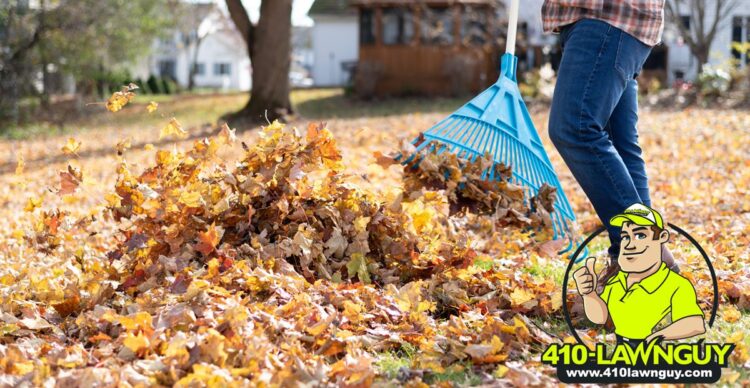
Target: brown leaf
{"type": "Point", "coordinates": [69, 306]}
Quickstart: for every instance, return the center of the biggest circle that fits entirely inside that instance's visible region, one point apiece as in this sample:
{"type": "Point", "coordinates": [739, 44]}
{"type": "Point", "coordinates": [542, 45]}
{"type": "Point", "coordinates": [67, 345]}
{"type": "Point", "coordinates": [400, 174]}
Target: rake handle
{"type": "Point", "coordinates": [510, 42]}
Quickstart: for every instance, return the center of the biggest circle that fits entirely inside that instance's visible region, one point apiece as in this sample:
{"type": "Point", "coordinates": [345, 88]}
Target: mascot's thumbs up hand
{"type": "Point", "coordinates": [586, 277]}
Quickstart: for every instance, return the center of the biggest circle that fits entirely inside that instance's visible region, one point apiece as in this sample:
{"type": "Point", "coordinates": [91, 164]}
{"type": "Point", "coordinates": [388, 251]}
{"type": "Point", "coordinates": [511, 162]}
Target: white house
{"type": "Point", "coordinates": [221, 61]}
{"type": "Point", "coordinates": [335, 41]}
{"type": "Point", "coordinates": [735, 28]}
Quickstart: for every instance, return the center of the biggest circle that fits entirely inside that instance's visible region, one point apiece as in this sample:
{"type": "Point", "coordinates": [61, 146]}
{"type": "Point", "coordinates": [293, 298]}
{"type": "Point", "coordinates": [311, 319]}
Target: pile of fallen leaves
{"type": "Point", "coordinates": [276, 270]}
{"type": "Point", "coordinates": [271, 265]}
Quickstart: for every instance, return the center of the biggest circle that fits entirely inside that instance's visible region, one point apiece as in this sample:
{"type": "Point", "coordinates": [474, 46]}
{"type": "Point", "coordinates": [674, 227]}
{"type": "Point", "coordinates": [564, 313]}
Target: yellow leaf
{"type": "Point", "coordinates": [190, 198]}
{"type": "Point", "coordinates": [148, 147]}
{"type": "Point", "coordinates": [121, 98]}
{"type": "Point", "coordinates": [136, 342]}
{"type": "Point", "coordinates": [173, 128]}
{"type": "Point", "coordinates": [20, 164]}
{"type": "Point", "coordinates": [141, 320]}
{"type": "Point", "coordinates": [735, 337]}
{"type": "Point", "coordinates": [7, 328]}
{"type": "Point", "coordinates": [731, 314]}
{"type": "Point", "coordinates": [71, 147]}
{"type": "Point", "coordinates": [352, 311]}
{"type": "Point", "coordinates": [227, 135]}
{"type": "Point", "coordinates": [152, 106]}
{"type": "Point", "coordinates": [520, 296]}
{"type": "Point", "coordinates": [22, 368]}
{"type": "Point", "coordinates": [18, 234]}
{"type": "Point", "coordinates": [113, 200]}
{"type": "Point", "coordinates": [33, 203]}
{"type": "Point", "coordinates": [500, 371]}
{"type": "Point", "coordinates": [123, 145]}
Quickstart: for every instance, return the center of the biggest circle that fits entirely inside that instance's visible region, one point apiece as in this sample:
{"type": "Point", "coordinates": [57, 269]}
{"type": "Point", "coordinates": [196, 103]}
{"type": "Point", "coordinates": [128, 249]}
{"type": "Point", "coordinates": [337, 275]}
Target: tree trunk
{"type": "Point", "coordinates": [193, 64]}
{"type": "Point", "coordinates": [9, 96]}
{"type": "Point", "coordinates": [270, 48]}
{"type": "Point", "coordinates": [701, 55]}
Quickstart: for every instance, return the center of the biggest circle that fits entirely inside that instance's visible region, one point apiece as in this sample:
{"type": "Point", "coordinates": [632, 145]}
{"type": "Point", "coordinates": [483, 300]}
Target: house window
{"type": "Point", "coordinates": [222, 68]}
{"type": "Point", "coordinates": [436, 26]}
{"type": "Point", "coordinates": [366, 26]}
{"type": "Point", "coordinates": [398, 26]}
{"type": "Point", "coordinates": [741, 39]}
{"type": "Point", "coordinates": [199, 68]}
{"type": "Point", "coordinates": [685, 20]}
{"type": "Point", "coordinates": [475, 25]}
{"type": "Point", "coordinates": [167, 69]}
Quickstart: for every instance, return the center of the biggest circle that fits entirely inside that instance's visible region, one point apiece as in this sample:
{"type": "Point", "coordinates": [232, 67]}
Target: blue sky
{"type": "Point", "coordinates": [299, 11]}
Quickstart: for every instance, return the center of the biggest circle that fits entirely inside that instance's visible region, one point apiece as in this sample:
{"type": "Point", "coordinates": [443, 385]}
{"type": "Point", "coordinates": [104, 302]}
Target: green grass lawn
{"type": "Point", "coordinates": [196, 109]}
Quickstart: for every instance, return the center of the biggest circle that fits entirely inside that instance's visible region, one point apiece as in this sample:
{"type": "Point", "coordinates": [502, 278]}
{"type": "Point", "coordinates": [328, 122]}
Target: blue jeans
{"type": "Point", "coordinates": [594, 115]}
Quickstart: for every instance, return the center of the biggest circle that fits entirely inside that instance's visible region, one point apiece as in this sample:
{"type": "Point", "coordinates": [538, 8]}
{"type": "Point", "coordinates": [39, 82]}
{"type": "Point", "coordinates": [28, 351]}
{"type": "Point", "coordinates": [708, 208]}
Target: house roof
{"type": "Point", "coordinates": [332, 7]}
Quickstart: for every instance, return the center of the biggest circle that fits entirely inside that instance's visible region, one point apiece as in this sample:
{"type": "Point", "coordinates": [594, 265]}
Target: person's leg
{"type": "Point", "coordinates": [598, 62]}
{"type": "Point", "coordinates": [623, 132]}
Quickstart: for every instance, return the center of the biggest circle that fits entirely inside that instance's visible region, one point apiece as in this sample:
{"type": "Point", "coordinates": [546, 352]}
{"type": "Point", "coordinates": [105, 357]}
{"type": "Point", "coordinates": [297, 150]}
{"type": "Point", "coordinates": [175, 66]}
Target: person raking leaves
{"type": "Point", "coordinates": [644, 291]}
{"type": "Point", "coordinates": [595, 104]}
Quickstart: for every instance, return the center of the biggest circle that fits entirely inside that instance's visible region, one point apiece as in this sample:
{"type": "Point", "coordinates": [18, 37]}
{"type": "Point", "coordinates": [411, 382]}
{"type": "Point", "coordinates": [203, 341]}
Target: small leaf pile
{"type": "Point", "coordinates": [480, 185]}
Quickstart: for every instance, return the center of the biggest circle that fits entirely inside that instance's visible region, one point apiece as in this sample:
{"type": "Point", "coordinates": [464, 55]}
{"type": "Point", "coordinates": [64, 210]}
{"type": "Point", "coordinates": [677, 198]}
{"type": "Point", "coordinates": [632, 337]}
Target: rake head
{"type": "Point", "coordinates": [498, 122]}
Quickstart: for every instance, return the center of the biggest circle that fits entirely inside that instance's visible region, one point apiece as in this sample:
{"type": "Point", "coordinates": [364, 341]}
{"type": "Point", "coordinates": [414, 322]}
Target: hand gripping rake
{"type": "Point", "coordinates": [497, 121]}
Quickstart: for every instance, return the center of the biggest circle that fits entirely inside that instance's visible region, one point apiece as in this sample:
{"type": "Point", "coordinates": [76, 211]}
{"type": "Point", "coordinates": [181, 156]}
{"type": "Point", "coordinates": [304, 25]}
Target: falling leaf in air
{"type": "Point", "coordinates": [71, 147]}
{"type": "Point", "coordinates": [123, 145]}
{"type": "Point", "coordinates": [69, 180]}
{"type": "Point", "coordinates": [227, 135]}
{"type": "Point", "coordinates": [384, 161]}
{"type": "Point", "coordinates": [32, 204]}
{"type": "Point", "coordinates": [121, 98]}
{"type": "Point", "coordinates": [173, 128]}
{"type": "Point", "coordinates": [152, 107]}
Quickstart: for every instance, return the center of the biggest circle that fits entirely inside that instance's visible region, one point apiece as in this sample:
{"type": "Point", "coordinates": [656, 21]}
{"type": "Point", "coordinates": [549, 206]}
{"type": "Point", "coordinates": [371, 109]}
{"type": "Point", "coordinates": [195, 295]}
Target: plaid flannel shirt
{"type": "Point", "coordinates": [644, 19]}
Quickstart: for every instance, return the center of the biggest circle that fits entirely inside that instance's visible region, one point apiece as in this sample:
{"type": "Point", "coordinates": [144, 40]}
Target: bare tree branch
{"type": "Point", "coordinates": [699, 36]}
{"type": "Point", "coordinates": [241, 20]}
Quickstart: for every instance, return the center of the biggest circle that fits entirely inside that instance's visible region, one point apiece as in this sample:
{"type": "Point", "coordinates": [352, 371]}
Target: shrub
{"type": "Point", "coordinates": [154, 85]}
{"type": "Point", "coordinates": [713, 81]}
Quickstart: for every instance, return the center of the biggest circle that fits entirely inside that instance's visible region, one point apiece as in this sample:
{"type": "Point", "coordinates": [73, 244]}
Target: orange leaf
{"type": "Point", "coordinates": [208, 240]}
{"type": "Point", "coordinates": [68, 307]}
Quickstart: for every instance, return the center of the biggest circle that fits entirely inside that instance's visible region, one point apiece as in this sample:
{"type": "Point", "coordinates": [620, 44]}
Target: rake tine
{"type": "Point", "coordinates": [497, 121]}
{"type": "Point", "coordinates": [439, 126]}
{"type": "Point", "coordinates": [465, 133]}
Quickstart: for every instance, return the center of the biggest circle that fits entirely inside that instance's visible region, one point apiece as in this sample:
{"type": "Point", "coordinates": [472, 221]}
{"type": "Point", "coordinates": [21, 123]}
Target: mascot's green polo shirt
{"type": "Point", "coordinates": [636, 311]}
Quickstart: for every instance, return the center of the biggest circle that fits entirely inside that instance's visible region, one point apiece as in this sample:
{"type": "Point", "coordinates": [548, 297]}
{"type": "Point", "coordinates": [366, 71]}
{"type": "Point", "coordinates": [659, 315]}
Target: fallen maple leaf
{"type": "Point", "coordinates": [208, 240]}
{"type": "Point", "coordinates": [69, 306]}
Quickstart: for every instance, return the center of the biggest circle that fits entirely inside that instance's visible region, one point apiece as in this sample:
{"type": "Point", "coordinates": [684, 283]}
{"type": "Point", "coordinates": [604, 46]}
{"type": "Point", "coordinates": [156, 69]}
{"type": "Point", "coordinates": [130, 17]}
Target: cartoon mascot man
{"type": "Point", "coordinates": [645, 291]}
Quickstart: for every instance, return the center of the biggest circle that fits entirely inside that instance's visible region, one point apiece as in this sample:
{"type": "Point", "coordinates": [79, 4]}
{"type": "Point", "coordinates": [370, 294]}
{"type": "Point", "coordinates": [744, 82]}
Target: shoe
{"type": "Point", "coordinates": [668, 259]}
{"type": "Point", "coordinates": [612, 269]}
